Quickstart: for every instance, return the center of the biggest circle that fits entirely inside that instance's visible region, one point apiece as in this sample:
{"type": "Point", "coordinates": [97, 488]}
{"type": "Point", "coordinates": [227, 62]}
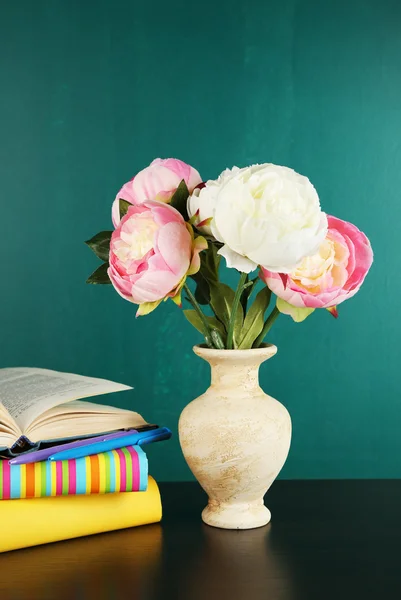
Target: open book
{"type": "Point", "coordinates": [40, 407]}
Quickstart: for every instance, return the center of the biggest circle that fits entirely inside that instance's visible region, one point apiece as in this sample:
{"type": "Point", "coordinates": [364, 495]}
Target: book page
{"type": "Point", "coordinates": [27, 393]}
{"type": "Point", "coordinates": [82, 418]}
{"type": "Point", "coordinates": [9, 430]}
{"type": "Point", "coordinates": [7, 423]}
{"type": "Point", "coordinates": [7, 440]}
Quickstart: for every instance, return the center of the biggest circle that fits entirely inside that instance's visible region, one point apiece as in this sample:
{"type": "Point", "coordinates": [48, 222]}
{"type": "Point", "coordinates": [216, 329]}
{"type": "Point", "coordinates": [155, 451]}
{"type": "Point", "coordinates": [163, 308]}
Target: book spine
{"type": "Point", "coordinates": [123, 470]}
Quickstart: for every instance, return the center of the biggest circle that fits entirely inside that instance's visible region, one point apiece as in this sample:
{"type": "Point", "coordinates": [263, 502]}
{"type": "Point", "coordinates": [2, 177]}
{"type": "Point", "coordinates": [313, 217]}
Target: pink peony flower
{"type": "Point", "coordinates": [158, 181]}
{"type": "Point", "coordinates": [151, 253]}
{"type": "Point", "coordinates": [332, 275]}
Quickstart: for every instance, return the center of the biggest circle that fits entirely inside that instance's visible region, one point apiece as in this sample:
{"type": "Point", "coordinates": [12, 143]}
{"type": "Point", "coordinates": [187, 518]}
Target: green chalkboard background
{"type": "Point", "coordinates": [93, 91]}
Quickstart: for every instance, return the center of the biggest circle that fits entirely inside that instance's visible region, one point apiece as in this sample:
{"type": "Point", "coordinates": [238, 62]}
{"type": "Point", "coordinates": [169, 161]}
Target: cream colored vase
{"type": "Point", "coordinates": [235, 438]}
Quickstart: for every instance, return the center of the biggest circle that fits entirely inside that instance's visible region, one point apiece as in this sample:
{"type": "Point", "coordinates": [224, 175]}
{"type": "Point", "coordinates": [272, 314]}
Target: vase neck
{"type": "Point", "coordinates": [235, 376]}
{"type": "Point", "coordinates": [235, 369]}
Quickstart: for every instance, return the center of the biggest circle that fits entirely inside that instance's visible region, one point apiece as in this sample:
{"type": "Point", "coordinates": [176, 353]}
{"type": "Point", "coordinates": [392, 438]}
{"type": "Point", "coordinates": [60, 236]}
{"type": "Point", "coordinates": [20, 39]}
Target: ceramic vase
{"type": "Point", "coordinates": [235, 438]}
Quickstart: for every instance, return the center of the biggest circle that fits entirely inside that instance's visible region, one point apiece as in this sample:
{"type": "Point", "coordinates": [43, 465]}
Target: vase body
{"type": "Point", "coordinates": [235, 438]}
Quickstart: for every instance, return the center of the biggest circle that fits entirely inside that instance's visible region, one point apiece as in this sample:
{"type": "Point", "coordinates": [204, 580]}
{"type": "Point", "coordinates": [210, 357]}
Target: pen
{"type": "Point", "coordinates": [136, 437]}
{"type": "Point", "coordinates": [44, 454]}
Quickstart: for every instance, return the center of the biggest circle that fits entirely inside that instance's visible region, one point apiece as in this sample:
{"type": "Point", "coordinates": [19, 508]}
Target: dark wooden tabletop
{"type": "Point", "coordinates": [327, 539]}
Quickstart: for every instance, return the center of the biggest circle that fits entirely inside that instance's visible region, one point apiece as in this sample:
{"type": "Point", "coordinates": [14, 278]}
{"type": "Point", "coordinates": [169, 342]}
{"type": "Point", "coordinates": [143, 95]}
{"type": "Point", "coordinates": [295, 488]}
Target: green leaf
{"type": "Point", "coordinates": [221, 301]}
{"type": "Point", "coordinates": [298, 314]}
{"type": "Point", "coordinates": [100, 245]}
{"type": "Point", "coordinates": [254, 319]}
{"type": "Point", "coordinates": [248, 289]}
{"type": "Point", "coordinates": [193, 317]}
{"type": "Point", "coordinates": [212, 262]}
{"type": "Point", "coordinates": [208, 272]}
{"type": "Point", "coordinates": [99, 277]}
{"type": "Point", "coordinates": [202, 291]}
{"type": "Point", "coordinates": [124, 206]}
{"type": "Point", "coordinates": [179, 199]}
{"type": "Point", "coordinates": [147, 307]}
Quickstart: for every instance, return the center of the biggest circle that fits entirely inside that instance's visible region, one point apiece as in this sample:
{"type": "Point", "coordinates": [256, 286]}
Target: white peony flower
{"type": "Point", "coordinates": [264, 215]}
{"type": "Point", "coordinates": [203, 200]}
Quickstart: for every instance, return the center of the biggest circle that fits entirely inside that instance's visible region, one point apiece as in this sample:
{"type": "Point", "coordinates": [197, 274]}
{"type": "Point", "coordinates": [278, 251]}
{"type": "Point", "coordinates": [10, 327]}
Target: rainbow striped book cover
{"type": "Point", "coordinates": [123, 470]}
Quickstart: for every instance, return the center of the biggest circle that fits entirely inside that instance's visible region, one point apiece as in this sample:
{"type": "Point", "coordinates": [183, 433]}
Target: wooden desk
{"type": "Point", "coordinates": [327, 539]}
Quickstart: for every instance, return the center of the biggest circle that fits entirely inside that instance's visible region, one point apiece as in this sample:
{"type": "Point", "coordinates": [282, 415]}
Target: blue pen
{"type": "Point", "coordinates": [39, 455]}
{"type": "Point", "coordinates": [139, 437]}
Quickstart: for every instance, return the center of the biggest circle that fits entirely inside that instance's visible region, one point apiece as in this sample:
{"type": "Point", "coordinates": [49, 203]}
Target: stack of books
{"type": "Point", "coordinates": [68, 467]}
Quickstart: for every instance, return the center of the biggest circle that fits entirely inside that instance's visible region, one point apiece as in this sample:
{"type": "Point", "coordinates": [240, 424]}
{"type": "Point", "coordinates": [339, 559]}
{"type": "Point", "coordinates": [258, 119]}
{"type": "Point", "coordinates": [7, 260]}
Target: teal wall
{"type": "Point", "coordinates": [93, 91]}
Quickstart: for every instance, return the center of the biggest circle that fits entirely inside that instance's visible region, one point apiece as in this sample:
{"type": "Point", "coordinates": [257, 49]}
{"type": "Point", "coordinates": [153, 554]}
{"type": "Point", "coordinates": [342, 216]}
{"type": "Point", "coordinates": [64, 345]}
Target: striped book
{"type": "Point", "coordinates": [123, 470]}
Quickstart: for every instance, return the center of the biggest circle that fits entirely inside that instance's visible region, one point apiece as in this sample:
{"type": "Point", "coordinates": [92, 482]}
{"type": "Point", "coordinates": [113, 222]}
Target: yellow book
{"type": "Point", "coordinates": [95, 567]}
{"type": "Point", "coordinates": [35, 521]}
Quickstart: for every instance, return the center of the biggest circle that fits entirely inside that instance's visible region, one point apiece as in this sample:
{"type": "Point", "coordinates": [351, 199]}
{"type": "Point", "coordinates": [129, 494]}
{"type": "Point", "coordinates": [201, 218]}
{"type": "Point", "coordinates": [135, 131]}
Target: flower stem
{"type": "Point", "coordinates": [234, 309]}
{"type": "Point", "coordinates": [266, 327]}
{"type": "Point", "coordinates": [192, 300]}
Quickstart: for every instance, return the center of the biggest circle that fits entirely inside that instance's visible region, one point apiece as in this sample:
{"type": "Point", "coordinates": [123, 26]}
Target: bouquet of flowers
{"type": "Point", "coordinates": [265, 221]}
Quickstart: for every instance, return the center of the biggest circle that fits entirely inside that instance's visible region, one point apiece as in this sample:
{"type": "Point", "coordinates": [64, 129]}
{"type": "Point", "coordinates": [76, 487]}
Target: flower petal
{"type": "Point", "coordinates": [237, 261]}
{"type": "Point", "coordinates": [153, 285]}
{"type": "Point", "coordinates": [174, 244]}
{"type": "Point", "coordinates": [125, 193]}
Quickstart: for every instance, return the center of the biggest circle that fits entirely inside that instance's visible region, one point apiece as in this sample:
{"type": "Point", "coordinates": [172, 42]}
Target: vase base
{"type": "Point", "coordinates": [236, 516]}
